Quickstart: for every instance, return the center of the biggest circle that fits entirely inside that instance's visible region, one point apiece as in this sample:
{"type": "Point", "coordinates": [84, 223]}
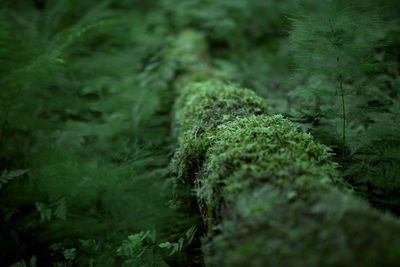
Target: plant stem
{"type": "Point", "coordinates": [340, 79]}
{"type": "Point", "coordinates": [344, 119]}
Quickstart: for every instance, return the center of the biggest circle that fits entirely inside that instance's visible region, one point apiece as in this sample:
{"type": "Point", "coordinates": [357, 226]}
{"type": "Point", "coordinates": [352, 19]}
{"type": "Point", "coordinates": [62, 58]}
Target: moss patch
{"type": "Point", "coordinates": [251, 151]}
{"type": "Point", "coordinates": [201, 108]}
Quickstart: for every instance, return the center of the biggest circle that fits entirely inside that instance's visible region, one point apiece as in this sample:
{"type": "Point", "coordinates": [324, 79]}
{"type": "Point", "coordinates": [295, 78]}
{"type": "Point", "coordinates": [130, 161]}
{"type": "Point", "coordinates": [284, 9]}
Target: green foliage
{"type": "Point", "coordinates": [32, 263]}
{"type": "Point", "coordinates": [335, 48]}
{"type": "Point", "coordinates": [233, 23]}
{"type": "Point", "coordinates": [134, 247]}
{"type": "Point", "coordinates": [176, 247]}
{"type": "Point", "coordinates": [85, 134]}
{"type": "Point", "coordinates": [337, 40]}
{"type": "Point", "coordinates": [346, 94]}
{"type": "Point", "coordinates": [86, 142]}
{"type": "Point", "coordinates": [57, 208]}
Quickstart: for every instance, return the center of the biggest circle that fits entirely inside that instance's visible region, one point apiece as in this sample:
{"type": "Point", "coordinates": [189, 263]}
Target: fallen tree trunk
{"type": "Point", "coordinates": [268, 193]}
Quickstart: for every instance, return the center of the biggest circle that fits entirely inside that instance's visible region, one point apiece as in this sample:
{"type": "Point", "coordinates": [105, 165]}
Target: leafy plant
{"type": "Point", "coordinates": [134, 247]}
{"type": "Point", "coordinates": [345, 74]}
{"type": "Point", "coordinates": [86, 112]}
{"type": "Point", "coordinates": [177, 247]}
{"type": "Point", "coordinates": [57, 208]}
{"type": "Point", "coordinates": [334, 45]}
{"type": "Point", "coordinates": [32, 263]}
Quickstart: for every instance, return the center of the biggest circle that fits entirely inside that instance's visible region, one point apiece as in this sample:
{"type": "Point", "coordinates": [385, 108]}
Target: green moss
{"type": "Point", "coordinates": [207, 104]}
{"type": "Point", "coordinates": [200, 109]}
{"type": "Point", "coordinates": [254, 150]}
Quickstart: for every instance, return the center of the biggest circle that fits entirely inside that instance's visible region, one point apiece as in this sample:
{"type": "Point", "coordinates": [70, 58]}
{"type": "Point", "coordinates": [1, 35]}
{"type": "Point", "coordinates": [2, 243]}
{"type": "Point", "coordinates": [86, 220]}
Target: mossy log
{"type": "Point", "coordinates": [268, 193]}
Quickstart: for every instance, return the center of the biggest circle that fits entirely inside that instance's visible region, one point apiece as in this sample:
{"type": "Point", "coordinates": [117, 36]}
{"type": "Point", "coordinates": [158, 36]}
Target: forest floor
{"type": "Point", "coordinates": [86, 100]}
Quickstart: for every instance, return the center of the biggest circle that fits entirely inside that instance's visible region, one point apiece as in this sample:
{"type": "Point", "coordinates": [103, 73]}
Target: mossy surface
{"type": "Point", "coordinates": [207, 104]}
{"type": "Point", "coordinates": [267, 227]}
{"type": "Point", "coordinates": [254, 150]}
{"type": "Point", "coordinates": [268, 193]}
{"type": "Point", "coordinates": [271, 199]}
{"type": "Point", "coordinates": [200, 109]}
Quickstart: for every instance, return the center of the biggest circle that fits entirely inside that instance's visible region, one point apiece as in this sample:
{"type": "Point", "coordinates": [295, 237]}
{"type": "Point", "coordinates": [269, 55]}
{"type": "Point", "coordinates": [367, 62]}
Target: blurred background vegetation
{"type": "Point", "coordinates": [85, 114]}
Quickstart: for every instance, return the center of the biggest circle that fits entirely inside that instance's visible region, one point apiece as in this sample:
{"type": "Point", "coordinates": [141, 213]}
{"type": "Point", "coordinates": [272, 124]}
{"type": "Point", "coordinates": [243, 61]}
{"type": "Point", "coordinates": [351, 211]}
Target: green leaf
{"type": "Point", "coordinates": [70, 254]}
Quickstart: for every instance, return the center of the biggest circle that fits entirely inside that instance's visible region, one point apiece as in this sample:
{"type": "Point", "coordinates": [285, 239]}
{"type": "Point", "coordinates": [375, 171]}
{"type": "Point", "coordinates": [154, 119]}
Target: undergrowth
{"type": "Point", "coordinates": [85, 138]}
{"type": "Point", "coordinates": [85, 106]}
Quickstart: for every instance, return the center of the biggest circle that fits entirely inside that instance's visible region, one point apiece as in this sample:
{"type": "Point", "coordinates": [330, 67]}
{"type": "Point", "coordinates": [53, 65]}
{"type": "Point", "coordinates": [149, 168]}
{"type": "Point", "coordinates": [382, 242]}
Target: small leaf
{"type": "Point", "coordinates": [60, 210]}
{"type": "Point", "coordinates": [44, 211]}
{"type": "Point", "coordinates": [33, 261]}
{"type": "Point", "coordinates": [165, 245]}
{"type": "Point", "coordinates": [70, 254]}
{"type": "Point", "coordinates": [190, 234]}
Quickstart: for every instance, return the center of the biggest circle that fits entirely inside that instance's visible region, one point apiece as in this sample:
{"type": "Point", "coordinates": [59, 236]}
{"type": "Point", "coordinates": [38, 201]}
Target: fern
{"type": "Point", "coordinates": [138, 250]}
{"type": "Point", "coordinates": [86, 109]}
{"type": "Point", "coordinates": [346, 68]}
{"type": "Point", "coordinates": [336, 46]}
{"type": "Point", "coordinates": [57, 208]}
{"type": "Point", "coordinates": [134, 247]}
